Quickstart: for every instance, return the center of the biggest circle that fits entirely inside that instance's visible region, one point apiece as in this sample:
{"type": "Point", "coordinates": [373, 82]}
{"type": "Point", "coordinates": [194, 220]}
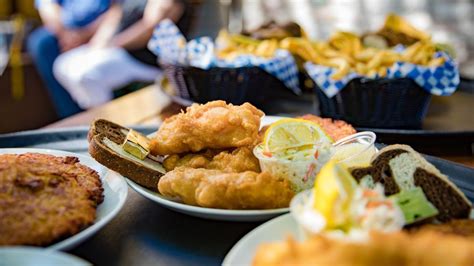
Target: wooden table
{"type": "Point", "coordinates": [138, 108]}
{"type": "Point", "coordinates": [149, 106]}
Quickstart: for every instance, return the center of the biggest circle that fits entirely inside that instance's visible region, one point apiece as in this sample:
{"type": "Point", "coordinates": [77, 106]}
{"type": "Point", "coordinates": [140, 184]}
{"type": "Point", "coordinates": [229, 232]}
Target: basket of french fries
{"type": "Point", "coordinates": [236, 68]}
{"type": "Point", "coordinates": [373, 81]}
{"type": "Point", "coordinates": [233, 85]}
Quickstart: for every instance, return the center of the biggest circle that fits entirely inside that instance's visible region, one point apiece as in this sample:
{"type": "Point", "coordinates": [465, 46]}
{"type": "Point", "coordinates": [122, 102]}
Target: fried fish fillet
{"type": "Point", "coordinates": [461, 227]}
{"type": "Point", "coordinates": [235, 161]}
{"type": "Point", "coordinates": [397, 249]}
{"type": "Point", "coordinates": [217, 189]}
{"type": "Point", "coordinates": [214, 125]}
{"type": "Point", "coordinates": [44, 198]}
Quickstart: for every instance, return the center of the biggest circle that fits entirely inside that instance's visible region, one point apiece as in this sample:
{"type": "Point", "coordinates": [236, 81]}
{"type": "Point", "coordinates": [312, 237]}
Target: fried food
{"type": "Point", "coordinates": [214, 125]}
{"type": "Point", "coordinates": [45, 198]}
{"type": "Point", "coordinates": [348, 52]}
{"type": "Point", "coordinates": [235, 161]}
{"type": "Point", "coordinates": [217, 189]}
{"type": "Point", "coordinates": [424, 248]}
{"type": "Point", "coordinates": [262, 42]}
{"type": "Point", "coordinates": [460, 227]}
{"type": "Point", "coordinates": [336, 129]}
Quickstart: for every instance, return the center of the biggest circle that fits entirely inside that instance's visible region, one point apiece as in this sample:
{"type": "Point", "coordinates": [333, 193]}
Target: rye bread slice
{"type": "Point", "coordinates": [439, 190]}
{"type": "Point", "coordinates": [105, 140]}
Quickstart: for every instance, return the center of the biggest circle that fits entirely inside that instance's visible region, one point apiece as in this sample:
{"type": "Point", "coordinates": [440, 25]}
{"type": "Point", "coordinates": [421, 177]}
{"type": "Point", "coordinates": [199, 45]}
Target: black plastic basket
{"type": "Point", "coordinates": [379, 103]}
{"type": "Point", "coordinates": [233, 85]}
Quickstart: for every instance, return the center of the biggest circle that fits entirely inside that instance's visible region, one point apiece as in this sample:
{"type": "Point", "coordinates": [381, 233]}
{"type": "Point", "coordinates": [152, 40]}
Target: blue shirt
{"type": "Point", "coordinates": [78, 13]}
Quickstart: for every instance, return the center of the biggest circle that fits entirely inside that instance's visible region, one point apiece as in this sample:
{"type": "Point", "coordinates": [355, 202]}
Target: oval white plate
{"type": "Point", "coordinates": [115, 194]}
{"type": "Point", "coordinates": [276, 229]}
{"type": "Point", "coordinates": [210, 213]}
{"type": "Point", "coordinates": [207, 213]}
{"type": "Point", "coordinates": [31, 256]}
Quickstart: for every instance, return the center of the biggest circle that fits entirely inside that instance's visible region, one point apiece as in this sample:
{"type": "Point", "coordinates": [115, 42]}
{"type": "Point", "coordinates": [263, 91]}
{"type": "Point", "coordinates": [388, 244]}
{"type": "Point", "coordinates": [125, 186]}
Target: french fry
{"type": "Point", "coordinates": [382, 71]}
{"type": "Point", "coordinates": [361, 68]}
{"type": "Point", "coordinates": [266, 48]}
{"type": "Point", "coordinates": [436, 62]}
{"type": "Point", "coordinates": [389, 58]}
{"type": "Point", "coordinates": [411, 51]}
{"type": "Point", "coordinates": [371, 73]}
{"type": "Point", "coordinates": [376, 61]}
{"type": "Point", "coordinates": [343, 51]}
{"type": "Point", "coordinates": [342, 66]}
{"type": "Point", "coordinates": [300, 47]}
{"type": "Point", "coordinates": [366, 54]}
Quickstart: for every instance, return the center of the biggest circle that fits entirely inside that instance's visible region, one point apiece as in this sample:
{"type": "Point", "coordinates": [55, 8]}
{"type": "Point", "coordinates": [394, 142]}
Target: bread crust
{"type": "Point", "coordinates": [425, 165]}
{"type": "Point", "coordinates": [138, 173]}
{"type": "Point", "coordinates": [439, 190]}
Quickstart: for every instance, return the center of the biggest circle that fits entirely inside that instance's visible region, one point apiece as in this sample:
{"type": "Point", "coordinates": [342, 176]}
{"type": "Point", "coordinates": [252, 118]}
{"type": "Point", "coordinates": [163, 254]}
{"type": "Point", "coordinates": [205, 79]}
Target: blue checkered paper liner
{"type": "Point", "coordinates": [442, 80]}
{"type": "Point", "coordinates": [169, 44]}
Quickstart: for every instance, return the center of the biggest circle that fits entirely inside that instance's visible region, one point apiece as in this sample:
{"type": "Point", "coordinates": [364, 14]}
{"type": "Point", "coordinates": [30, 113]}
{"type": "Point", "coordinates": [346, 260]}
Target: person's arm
{"type": "Point", "coordinates": [50, 13]}
{"type": "Point", "coordinates": [108, 26]}
{"type": "Point", "coordinates": [137, 35]}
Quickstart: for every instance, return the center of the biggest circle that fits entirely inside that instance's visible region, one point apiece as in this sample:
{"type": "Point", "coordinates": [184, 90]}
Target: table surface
{"type": "Point", "coordinates": [144, 233]}
{"type": "Point", "coordinates": [149, 106]}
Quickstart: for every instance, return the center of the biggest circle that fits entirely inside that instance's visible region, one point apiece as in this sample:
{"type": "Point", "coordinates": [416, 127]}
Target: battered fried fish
{"type": "Point", "coordinates": [214, 125]}
{"type": "Point", "coordinates": [461, 227]}
{"type": "Point", "coordinates": [398, 249]}
{"type": "Point", "coordinates": [235, 161]}
{"type": "Point", "coordinates": [44, 198]}
{"type": "Point", "coordinates": [217, 189]}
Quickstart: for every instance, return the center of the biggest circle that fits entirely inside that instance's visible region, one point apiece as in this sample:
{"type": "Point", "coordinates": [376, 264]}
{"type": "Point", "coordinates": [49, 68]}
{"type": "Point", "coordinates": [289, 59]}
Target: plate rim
{"type": "Point", "coordinates": [233, 252]}
{"type": "Point", "coordinates": [201, 210]}
{"type": "Point", "coordinates": [223, 213]}
{"type": "Point", "coordinates": [32, 250]}
{"type": "Point", "coordinates": [89, 231]}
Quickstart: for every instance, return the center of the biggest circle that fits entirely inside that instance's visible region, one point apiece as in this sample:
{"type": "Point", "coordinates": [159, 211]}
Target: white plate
{"type": "Point", "coordinates": [277, 229]}
{"type": "Point", "coordinates": [115, 194]}
{"type": "Point", "coordinates": [31, 256]}
{"type": "Point", "coordinates": [207, 213]}
{"type": "Point", "coordinates": [210, 213]}
{"type": "Point", "coordinates": [274, 230]}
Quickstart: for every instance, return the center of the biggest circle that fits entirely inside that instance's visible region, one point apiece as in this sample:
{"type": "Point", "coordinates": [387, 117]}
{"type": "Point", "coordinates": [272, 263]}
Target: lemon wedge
{"type": "Point", "coordinates": [333, 192]}
{"type": "Point", "coordinates": [290, 135]}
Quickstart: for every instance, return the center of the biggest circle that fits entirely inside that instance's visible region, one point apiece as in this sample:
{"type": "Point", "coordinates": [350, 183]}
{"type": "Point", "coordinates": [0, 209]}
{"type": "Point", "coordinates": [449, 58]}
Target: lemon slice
{"type": "Point", "coordinates": [293, 135]}
{"type": "Point", "coordinates": [333, 192]}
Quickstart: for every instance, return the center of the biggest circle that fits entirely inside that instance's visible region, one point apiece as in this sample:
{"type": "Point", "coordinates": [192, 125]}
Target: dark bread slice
{"type": "Point", "coordinates": [439, 190]}
{"type": "Point", "coordinates": [105, 140]}
{"type": "Point", "coordinates": [114, 132]}
{"type": "Point", "coordinates": [442, 195]}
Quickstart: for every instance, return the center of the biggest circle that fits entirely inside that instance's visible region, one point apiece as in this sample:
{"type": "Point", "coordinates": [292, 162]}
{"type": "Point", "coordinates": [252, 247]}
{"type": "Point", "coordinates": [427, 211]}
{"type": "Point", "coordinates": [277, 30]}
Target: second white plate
{"type": "Point", "coordinates": [32, 256]}
{"type": "Point", "coordinates": [277, 229]}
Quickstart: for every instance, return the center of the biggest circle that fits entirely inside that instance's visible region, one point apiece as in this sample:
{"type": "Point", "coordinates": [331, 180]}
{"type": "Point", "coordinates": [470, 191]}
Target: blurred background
{"type": "Point", "coordinates": [26, 103]}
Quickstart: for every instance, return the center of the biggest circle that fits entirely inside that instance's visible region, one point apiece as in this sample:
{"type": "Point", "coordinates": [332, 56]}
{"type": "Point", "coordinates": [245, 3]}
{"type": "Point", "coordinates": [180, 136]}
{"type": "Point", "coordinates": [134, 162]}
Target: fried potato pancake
{"type": "Point", "coordinates": [45, 198]}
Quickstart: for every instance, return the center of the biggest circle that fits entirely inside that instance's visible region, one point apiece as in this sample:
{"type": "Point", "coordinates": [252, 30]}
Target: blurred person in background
{"type": "Point", "coordinates": [66, 24]}
{"type": "Point", "coordinates": [117, 54]}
